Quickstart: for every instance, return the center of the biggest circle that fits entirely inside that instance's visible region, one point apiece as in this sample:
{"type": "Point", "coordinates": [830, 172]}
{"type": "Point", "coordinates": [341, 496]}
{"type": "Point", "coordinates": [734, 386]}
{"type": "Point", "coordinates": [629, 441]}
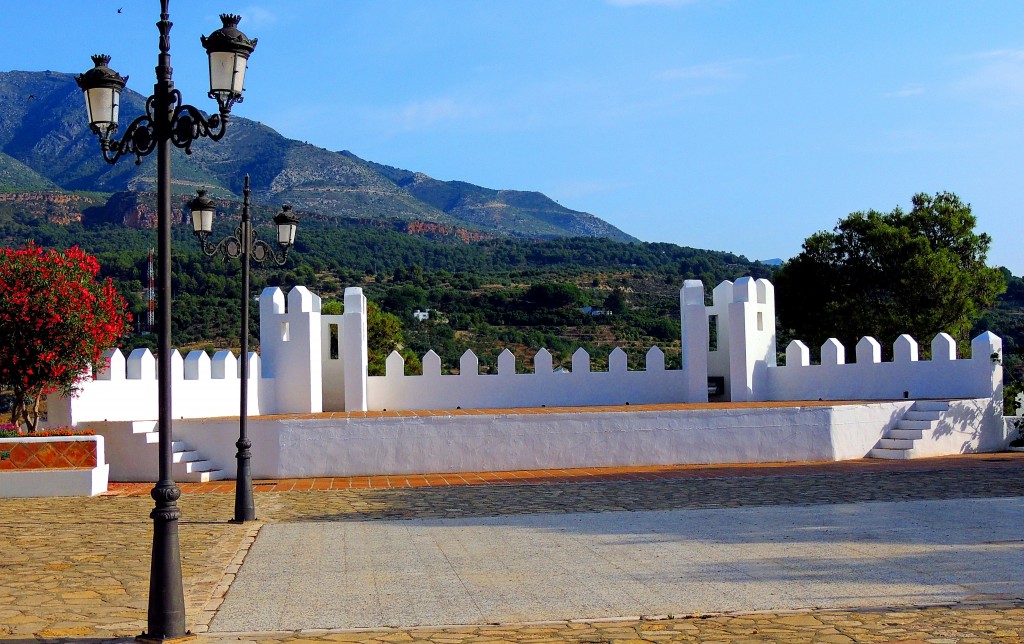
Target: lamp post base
{"type": "Point", "coordinates": [245, 506]}
{"type": "Point", "coordinates": [187, 637]}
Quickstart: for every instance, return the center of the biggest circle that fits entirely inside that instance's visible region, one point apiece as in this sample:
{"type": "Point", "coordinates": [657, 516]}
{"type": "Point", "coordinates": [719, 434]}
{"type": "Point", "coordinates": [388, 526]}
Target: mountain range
{"type": "Point", "coordinates": [46, 147]}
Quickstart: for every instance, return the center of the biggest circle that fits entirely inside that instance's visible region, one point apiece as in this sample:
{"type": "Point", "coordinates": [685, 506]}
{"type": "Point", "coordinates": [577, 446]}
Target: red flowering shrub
{"type": "Point", "coordinates": [56, 320]}
{"type": "Point", "coordinates": [13, 431]}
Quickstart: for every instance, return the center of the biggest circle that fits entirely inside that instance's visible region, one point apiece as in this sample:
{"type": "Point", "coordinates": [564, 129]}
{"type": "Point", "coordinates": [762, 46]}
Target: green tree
{"type": "Point", "coordinates": [405, 299]}
{"type": "Point", "coordinates": [554, 294]}
{"type": "Point", "coordinates": [883, 274]}
{"type": "Point", "coordinates": [384, 335]}
{"type": "Point", "coordinates": [616, 302]}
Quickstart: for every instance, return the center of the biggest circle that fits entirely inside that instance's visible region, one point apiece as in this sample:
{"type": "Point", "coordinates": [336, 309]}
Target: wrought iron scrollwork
{"type": "Point", "coordinates": [185, 125]}
{"type": "Point", "coordinates": [140, 138]}
{"type": "Point", "coordinates": [263, 252]}
{"type": "Point", "coordinates": [231, 247]}
{"type": "Point", "coordinates": [189, 125]}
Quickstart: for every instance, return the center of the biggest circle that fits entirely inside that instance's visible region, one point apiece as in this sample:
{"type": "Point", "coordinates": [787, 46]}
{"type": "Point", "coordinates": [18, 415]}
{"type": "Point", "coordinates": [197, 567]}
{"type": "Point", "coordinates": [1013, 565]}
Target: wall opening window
{"type": "Point", "coordinates": [712, 333]}
{"type": "Point", "coordinates": [333, 329]}
{"type": "Point", "coordinates": [285, 336]}
{"type": "Point", "coordinates": [760, 321]}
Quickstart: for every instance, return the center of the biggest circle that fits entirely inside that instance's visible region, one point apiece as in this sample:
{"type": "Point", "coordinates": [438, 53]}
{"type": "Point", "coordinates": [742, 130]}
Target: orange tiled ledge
{"type": "Point", "coordinates": [47, 455]}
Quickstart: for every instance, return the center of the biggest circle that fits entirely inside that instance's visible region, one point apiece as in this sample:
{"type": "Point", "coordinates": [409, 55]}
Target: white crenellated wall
{"type": "Point", "coordinates": [345, 355]}
{"type": "Point", "coordinates": [311, 363]}
{"type": "Point", "coordinates": [287, 379]}
{"type": "Point", "coordinates": [868, 378]}
{"type": "Point", "coordinates": [745, 314]}
{"type": "Point", "coordinates": [694, 336]}
{"type": "Point", "coordinates": [472, 390]}
{"type": "Point", "coordinates": [126, 389]}
{"type": "Point", "coordinates": [358, 357]}
{"type": "Point", "coordinates": [332, 349]}
{"type": "Point", "coordinates": [299, 372]}
{"type": "Point", "coordinates": [290, 342]}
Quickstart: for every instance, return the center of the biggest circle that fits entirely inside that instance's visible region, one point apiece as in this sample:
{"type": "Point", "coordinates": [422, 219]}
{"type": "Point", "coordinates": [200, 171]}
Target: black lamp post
{"type": "Point", "coordinates": [246, 245]}
{"type": "Point", "coordinates": [167, 121]}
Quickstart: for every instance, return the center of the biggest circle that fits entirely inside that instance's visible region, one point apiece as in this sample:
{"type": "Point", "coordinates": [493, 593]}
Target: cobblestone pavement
{"type": "Point", "coordinates": [76, 570]}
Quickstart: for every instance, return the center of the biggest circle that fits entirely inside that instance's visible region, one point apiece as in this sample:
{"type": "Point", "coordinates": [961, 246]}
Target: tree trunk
{"type": "Point", "coordinates": [32, 421]}
{"type": "Point", "coordinates": [18, 407]}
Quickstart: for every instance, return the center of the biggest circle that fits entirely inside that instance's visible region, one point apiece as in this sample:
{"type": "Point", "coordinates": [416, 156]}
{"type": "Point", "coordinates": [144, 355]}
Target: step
{"type": "Point", "coordinates": [915, 414]}
{"type": "Point", "coordinates": [915, 424]}
{"type": "Point", "coordinates": [202, 477]}
{"type": "Point", "coordinates": [912, 434]}
{"type": "Point", "coordinates": [931, 405]}
{"type": "Point", "coordinates": [179, 446]}
{"type": "Point", "coordinates": [896, 443]}
{"type": "Point", "coordinates": [144, 426]}
{"type": "Point", "coordinates": [196, 471]}
{"type": "Point", "coordinates": [186, 456]}
{"type": "Point", "coordinates": [881, 452]}
{"type": "Point", "coordinates": [196, 466]}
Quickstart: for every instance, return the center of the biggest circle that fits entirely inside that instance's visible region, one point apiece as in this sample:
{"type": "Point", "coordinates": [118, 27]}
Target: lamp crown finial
{"type": "Point", "coordinates": [101, 75]}
{"type": "Point", "coordinates": [228, 37]}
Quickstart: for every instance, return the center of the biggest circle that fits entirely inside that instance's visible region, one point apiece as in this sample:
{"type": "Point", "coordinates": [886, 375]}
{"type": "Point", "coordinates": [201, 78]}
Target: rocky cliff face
{"type": "Point", "coordinates": [133, 209]}
{"type": "Point", "coordinates": [430, 229]}
{"type": "Point", "coordinates": [54, 207]}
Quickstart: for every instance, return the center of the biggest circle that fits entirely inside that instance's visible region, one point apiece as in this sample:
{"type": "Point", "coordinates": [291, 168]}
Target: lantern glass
{"type": "Point", "coordinates": [202, 209]}
{"type": "Point", "coordinates": [102, 104]}
{"type": "Point", "coordinates": [228, 49]}
{"type": "Point", "coordinates": [286, 234]}
{"type": "Point", "coordinates": [286, 223]}
{"type": "Point", "coordinates": [202, 220]}
{"type": "Point", "coordinates": [102, 88]}
{"type": "Point", "coordinates": [227, 73]}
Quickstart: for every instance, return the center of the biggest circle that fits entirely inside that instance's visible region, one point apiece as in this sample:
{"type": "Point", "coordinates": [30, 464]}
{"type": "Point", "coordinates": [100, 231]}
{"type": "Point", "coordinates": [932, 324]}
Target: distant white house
{"type": "Point", "coordinates": [421, 315]}
{"type": "Point", "coordinates": [594, 311]}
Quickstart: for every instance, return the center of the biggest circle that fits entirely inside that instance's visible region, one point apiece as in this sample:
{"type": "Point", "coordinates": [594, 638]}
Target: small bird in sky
{"type": "Point", "coordinates": [119, 9]}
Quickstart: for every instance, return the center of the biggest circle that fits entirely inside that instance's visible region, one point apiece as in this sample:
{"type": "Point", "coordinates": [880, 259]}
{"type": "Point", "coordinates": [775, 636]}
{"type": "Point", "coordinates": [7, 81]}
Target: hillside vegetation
{"type": "Point", "coordinates": [482, 295]}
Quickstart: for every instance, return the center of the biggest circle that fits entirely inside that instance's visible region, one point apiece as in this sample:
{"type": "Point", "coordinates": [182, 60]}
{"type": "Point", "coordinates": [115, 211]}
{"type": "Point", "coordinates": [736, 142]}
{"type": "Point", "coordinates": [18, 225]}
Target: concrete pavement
{"type": "Point", "coordinates": [531, 568]}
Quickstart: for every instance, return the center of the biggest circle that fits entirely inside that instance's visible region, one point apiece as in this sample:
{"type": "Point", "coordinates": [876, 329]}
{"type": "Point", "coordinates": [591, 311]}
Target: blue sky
{"type": "Point", "coordinates": [736, 125]}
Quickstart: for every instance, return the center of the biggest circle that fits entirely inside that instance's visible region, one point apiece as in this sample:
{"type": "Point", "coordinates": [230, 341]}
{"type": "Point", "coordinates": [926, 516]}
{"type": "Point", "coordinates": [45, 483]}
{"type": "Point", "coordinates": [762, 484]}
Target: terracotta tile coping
{"type": "Point", "coordinates": [1007, 460]}
{"type": "Point", "coordinates": [48, 453]}
{"type": "Point", "coordinates": [511, 411]}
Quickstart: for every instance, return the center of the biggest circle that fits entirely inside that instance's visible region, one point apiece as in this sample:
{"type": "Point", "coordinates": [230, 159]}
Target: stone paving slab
{"type": "Point", "coordinates": [960, 463]}
{"type": "Point", "coordinates": [76, 569]}
{"type": "Point", "coordinates": [531, 568]}
{"type": "Point", "coordinates": [961, 624]}
{"type": "Point", "coordinates": [973, 624]}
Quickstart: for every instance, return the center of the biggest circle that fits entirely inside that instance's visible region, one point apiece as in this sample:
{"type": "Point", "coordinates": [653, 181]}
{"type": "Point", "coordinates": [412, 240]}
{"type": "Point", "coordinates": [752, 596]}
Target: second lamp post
{"type": "Point", "coordinates": [246, 245]}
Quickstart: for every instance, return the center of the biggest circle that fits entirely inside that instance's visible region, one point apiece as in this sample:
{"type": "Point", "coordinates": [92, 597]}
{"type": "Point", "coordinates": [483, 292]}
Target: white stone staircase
{"type": "Point", "coordinates": [187, 465]}
{"type": "Point", "coordinates": [916, 424]}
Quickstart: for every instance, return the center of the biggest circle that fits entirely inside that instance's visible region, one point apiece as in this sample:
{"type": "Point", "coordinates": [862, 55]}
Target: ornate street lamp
{"type": "Point", "coordinates": [246, 245]}
{"type": "Point", "coordinates": [167, 121]}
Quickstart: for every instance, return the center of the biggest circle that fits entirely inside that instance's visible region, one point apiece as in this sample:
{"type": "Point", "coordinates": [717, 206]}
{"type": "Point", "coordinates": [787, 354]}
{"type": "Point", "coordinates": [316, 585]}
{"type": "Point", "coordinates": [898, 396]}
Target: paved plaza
{"type": "Point", "coordinates": [927, 550]}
